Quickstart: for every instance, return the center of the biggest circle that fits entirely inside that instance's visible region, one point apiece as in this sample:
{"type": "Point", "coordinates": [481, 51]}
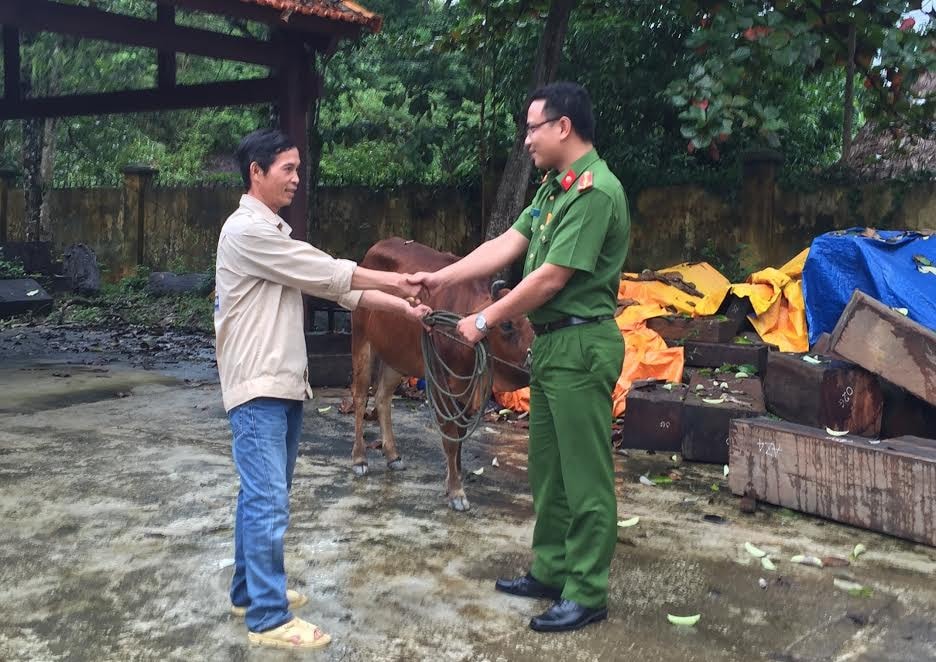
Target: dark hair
{"type": "Point", "coordinates": [565, 99]}
{"type": "Point", "coordinates": [261, 146]}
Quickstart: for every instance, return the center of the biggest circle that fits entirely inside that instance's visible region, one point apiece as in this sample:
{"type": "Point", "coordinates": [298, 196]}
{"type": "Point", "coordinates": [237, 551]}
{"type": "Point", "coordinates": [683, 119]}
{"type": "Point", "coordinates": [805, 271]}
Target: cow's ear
{"type": "Point", "coordinates": [499, 289]}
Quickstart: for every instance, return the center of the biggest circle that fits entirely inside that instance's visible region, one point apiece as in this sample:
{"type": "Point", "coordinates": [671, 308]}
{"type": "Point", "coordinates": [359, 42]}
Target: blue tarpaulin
{"type": "Point", "coordinates": [881, 266]}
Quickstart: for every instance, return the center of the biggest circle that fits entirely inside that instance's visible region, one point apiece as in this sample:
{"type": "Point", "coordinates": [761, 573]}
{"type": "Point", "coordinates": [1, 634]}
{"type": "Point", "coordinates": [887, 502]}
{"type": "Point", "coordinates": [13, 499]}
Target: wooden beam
{"type": "Point", "coordinates": [889, 486]}
{"type": "Point", "coordinates": [232, 93]}
{"type": "Point", "coordinates": [90, 23]}
{"type": "Point", "coordinates": [653, 417]}
{"type": "Point", "coordinates": [706, 424]}
{"type": "Point", "coordinates": [11, 63]}
{"type": "Point", "coordinates": [715, 355]}
{"type": "Point", "coordinates": [888, 344]}
{"type": "Point", "coordinates": [830, 394]}
{"type": "Point", "coordinates": [315, 30]}
{"type": "Point", "coordinates": [165, 59]}
{"type": "Point", "coordinates": [716, 329]}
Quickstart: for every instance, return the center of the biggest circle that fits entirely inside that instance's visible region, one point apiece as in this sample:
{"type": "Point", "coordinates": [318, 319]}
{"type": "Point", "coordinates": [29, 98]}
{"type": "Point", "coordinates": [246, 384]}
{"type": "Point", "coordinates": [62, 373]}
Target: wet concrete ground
{"type": "Point", "coordinates": [116, 502]}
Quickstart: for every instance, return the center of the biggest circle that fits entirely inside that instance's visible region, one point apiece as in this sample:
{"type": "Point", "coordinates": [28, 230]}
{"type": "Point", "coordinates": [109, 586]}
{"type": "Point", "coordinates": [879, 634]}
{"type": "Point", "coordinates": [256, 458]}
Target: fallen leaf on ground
{"type": "Point", "coordinates": [807, 560]}
{"type": "Point", "coordinates": [495, 463]}
{"type": "Point", "coordinates": [683, 620]}
{"type": "Point", "coordinates": [854, 588]}
{"type": "Point", "coordinates": [712, 401]}
{"type": "Point", "coordinates": [754, 551]}
{"type": "Point", "coordinates": [836, 433]}
{"type": "Point", "coordinates": [324, 410]}
{"type": "Point", "coordinates": [767, 563]}
{"type": "Point", "coordinates": [858, 551]}
{"type": "Point", "coordinates": [628, 522]}
{"type": "Point", "coordinates": [646, 481]}
{"type": "Point", "coordinates": [810, 359]}
{"type": "Point", "coordinates": [726, 471]}
{"type": "Point", "coordinates": [478, 472]}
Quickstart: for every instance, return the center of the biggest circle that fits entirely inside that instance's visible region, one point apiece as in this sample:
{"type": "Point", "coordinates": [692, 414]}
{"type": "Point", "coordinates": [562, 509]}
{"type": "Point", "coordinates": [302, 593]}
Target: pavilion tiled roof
{"type": "Point", "coordinates": [336, 10]}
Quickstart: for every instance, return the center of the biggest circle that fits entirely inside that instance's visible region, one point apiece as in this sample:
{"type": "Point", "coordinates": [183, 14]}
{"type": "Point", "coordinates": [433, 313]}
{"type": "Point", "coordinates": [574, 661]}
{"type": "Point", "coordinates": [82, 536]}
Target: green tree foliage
{"type": "Point", "coordinates": [749, 58]}
{"type": "Point", "coordinates": [436, 96]}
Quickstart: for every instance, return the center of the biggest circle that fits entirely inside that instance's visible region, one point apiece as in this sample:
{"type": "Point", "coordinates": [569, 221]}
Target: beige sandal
{"type": "Point", "coordinates": [297, 633]}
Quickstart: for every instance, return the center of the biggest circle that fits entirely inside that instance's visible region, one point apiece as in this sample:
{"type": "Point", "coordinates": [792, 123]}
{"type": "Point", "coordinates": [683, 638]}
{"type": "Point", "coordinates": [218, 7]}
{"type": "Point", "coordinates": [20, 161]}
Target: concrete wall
{"type": "Point", "coordinates": [761, 222]}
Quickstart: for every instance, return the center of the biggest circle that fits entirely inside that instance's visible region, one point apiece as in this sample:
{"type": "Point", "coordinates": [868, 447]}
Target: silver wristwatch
{"type": "Point", "coordinates": [481, 323]}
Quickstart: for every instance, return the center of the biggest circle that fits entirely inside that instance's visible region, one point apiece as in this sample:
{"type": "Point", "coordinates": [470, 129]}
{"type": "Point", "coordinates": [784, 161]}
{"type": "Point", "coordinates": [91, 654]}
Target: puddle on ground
{"type": "Point", "coordinates": [40, 387]}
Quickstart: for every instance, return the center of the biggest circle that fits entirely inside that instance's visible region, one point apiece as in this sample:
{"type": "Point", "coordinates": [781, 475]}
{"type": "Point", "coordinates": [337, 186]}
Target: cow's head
{"type": "Point", "coordinates": [509, 341]}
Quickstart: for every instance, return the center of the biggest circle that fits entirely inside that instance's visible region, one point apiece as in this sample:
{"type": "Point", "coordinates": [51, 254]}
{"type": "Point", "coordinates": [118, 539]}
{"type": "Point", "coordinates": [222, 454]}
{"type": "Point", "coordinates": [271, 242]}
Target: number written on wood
{"type": "Point", "coordinates": [664, 425]}
{"type": "Point", "coordinates": [846, 397]}
{"type": "Point", "coordinates": [769, 448]}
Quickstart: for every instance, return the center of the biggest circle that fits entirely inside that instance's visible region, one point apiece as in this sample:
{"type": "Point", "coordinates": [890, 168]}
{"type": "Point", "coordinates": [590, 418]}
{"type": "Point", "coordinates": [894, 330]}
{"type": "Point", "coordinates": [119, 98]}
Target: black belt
{"type": "Point", "coordinates": [549, 327]}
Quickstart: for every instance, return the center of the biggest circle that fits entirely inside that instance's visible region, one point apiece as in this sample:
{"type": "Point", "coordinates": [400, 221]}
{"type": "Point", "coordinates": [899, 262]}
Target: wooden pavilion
{"type": "Point", "coordinates": [298, 30]}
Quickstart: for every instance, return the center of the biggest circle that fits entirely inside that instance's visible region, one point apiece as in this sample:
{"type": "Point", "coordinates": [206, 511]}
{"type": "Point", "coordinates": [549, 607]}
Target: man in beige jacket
{"type": "Point", "coordinates": [261, 276]}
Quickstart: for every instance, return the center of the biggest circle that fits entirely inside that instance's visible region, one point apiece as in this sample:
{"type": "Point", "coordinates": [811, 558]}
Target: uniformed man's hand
{"type": "Point", "coordinates": [468, 330]}
{"type": "Point", "coordinates": [414, 293]}
{"type": "Point", "coordinates": [428, 280]}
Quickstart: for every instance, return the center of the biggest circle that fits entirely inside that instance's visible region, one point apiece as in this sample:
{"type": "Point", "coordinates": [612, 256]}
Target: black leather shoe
{"type": "Point", "coordinates": [567, 615]}
{"type": "Point", "coordinates": [528, 587]}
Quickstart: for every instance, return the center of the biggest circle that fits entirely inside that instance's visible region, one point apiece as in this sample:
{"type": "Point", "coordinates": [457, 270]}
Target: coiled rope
{"type": "Point", "coordinates": [448, 404]}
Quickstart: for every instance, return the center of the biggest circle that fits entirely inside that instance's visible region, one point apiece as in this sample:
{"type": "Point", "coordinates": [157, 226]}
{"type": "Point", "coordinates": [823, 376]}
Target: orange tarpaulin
{"type": "Point", "coordinates": [705, 278]}
{"type": "Point", "coordinates": [646, 356]}
{"type": "Point", "coordinates": [779, 309]}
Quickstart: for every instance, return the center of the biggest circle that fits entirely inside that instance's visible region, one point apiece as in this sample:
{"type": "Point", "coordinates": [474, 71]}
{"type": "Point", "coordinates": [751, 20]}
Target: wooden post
{"type": "Point", "coordinates": [138, 184]}
{"type": "Point", "coordinates": [165, 60]}
{"type": "Point", "coordinates": [7, 178]}
{"type": "Point", "coordinates": [295, 89]}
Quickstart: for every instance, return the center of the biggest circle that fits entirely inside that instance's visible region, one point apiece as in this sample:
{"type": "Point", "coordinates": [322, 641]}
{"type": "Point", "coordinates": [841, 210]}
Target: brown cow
{"type": "Point", "coordinates": [395, 342]}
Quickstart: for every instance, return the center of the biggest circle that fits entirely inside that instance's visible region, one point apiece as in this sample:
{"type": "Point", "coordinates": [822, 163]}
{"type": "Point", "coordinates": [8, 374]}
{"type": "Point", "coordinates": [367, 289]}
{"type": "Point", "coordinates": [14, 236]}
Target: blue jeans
{"type": "Point", "coordinates": [266, 443]}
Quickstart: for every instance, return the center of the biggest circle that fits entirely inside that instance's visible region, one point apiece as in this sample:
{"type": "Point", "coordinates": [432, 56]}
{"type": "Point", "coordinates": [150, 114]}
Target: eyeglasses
{"type": "Point", "coordinates": [533, 127]}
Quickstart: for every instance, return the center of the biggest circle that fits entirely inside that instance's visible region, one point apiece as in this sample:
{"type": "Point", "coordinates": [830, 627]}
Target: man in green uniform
{"type": "Point", "coordinates": [573, 239]}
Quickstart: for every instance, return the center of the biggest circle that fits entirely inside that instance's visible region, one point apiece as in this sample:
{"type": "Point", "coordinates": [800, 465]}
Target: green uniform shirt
{"type": "Point", "coordinates": [579, 219]}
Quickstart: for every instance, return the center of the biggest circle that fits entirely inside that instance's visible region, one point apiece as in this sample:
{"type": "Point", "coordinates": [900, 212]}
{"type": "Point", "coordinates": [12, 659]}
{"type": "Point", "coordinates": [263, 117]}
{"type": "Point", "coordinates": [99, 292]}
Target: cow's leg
{"type": "Point", "coordinates": [386, 384]}
{"type": "Point", "coordinates": [454, 489]}
{"type": "Point", "coordinates": [361, 361]}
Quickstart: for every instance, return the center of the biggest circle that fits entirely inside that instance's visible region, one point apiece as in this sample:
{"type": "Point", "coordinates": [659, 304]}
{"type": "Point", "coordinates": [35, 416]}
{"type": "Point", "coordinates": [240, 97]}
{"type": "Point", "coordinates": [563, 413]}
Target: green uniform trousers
{"type": "Point", "coordinates": [571, 467]}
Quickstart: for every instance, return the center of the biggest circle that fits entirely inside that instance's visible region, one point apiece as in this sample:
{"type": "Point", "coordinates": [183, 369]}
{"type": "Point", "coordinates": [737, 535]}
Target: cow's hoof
{"type": "Point", "coordinates": [460, 504]}
{"type": "Point", "coordinates": [396, 465]}
{"type": "Point", "coordinates": [360, 469]}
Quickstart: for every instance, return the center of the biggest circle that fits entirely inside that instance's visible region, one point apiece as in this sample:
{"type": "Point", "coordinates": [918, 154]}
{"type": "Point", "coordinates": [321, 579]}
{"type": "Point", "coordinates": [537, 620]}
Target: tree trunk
{"type": "Point", "coordinates": [849, 114]}
{"type": "Point", "coordinates": [511, 192]}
